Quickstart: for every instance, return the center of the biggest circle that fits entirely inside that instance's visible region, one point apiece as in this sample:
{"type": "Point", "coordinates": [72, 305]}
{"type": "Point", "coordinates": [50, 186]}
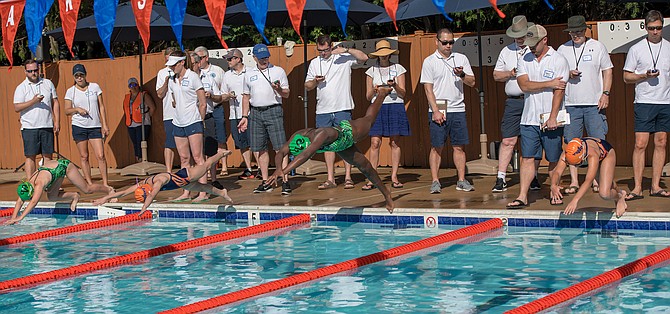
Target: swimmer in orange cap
{"type": "Point", "coordinates": [599, 154]}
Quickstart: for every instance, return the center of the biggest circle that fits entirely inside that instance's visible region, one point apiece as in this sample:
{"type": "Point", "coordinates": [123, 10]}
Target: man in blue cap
{"type": "Point", "coordinates": [264, 87]}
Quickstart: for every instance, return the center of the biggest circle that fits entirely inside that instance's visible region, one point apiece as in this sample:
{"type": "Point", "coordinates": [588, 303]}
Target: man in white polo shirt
{"type": "Point", "coordinates": [35, 98]}
{"type": "Point", "coordinates": [330, 74]}
{"type": "Point", "coordinates": [168, 110]}
{"type": "Point", "coordinates": [505, 71]}
{"type": "Point", "coordinates": [541, 76]}
{"type": "Point", "coordinates": [443, 75]}
{"type": "Point", "coordinates": [588, 90]}
{"type": "Point", "coordinates": [648, 67]}
{"type": "Point", "coordinates": [264, 87]}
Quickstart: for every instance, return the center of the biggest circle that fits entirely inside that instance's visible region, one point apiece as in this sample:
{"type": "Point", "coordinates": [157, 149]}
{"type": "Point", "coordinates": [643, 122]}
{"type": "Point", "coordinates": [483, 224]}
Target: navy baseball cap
{"type": "Point", "coordinates": [261, 51]}
{"type": "Point", "coordinates": [78, 68]}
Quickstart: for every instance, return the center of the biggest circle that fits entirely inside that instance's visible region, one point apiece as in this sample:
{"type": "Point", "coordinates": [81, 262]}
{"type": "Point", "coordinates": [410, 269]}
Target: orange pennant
{"type": "Point", "coordinates": [69, 11]}
{"type": "Point", "coordinates": [142, 11]}
{"type": "Point", "coordinates": [295, 9]}
{"type": "Point", "coordinates": [216, 10]}
{"type": "Point", "coordinates": [391, 9]}
{"type": "Point", "coordinates": [494, 3]}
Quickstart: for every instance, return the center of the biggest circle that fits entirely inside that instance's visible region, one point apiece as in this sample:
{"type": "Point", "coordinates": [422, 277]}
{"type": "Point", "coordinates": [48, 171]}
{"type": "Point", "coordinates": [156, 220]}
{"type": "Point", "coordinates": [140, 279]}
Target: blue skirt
{"type": "Point", "coordinates": [391, 121]}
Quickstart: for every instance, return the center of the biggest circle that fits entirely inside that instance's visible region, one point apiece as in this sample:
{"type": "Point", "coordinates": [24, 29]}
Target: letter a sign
{"type": "Point", "coordinates": [10, 12]}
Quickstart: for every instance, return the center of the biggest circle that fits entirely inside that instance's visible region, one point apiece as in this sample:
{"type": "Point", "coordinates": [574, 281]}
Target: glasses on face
{"type": "Point", "coordinates": [654, 28]}
{"type": "Point", "coordinates": [231, 58]}
{"type": "Point", "coordinates": [32, 71]}
{"type": "Point", "coordinates": [579, 32]}
{"type": "Point", "coordinates": [447, 42]}
{"type": "Point", "coordinates": [324, 50]}
{"type": "Point", "coordinates": [79, 75]}
{"type": "Point", "coordinates": [131, 85]}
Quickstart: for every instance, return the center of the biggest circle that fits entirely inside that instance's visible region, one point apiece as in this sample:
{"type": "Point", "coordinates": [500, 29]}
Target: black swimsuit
{"type": "Point", "coordinates": [178, 180]}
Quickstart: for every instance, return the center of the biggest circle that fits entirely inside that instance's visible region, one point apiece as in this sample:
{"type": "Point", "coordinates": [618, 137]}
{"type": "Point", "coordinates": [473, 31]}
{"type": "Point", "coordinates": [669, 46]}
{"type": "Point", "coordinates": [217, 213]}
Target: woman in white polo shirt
{"type": "Point", "coordinates": [190, 107]}
{"type": "Point", "coordinates": [83, 101]}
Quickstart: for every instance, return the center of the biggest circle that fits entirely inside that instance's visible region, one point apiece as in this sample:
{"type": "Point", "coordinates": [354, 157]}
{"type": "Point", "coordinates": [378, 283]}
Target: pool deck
{"type": "Point", "coordinates": [414, 197]}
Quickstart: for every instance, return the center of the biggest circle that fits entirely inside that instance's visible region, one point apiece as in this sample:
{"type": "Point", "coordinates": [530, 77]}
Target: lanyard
{"type": "Point", "coordinates": [388, 69]}
{"type": "Point", "coordinates": [331, 60]}
{"type": "Point", "coordinates": [574, 51]}
{"type": "Point", "coordinates": [655, 61]}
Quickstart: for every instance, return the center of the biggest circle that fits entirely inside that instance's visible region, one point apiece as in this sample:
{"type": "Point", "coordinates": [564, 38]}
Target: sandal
{"type": "Point", "coordinates": [571, 189]}
{"type": "Point", "coordinates": [368, 186]}
{"type": "Point", "coordinates": [659, 193]}
{"type": "Point", "coordinates": [516, 204]}
{"type": "Point", "coordinates": [348, 184]}
{"type": "Point", "coordinates": [397, 185]}
{"type": "Point", "coordinates": [633, 196]}
{"type": "Point", "coordinates": [327, 185]}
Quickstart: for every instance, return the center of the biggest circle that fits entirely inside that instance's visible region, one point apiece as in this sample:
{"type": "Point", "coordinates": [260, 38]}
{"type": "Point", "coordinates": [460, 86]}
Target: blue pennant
{"type": "Point", "coordinates": [342, 10]}
{"type": "Point", "coordinates": [440, 6]}
{"type": "Point", "coordinates": [258, 9]}
{"type": "Point", "coordinates": [177, 10]}
{"type": "Point", "coordinates": [104, 12]}
{"type": "Point", "coordinates": [35, 12]}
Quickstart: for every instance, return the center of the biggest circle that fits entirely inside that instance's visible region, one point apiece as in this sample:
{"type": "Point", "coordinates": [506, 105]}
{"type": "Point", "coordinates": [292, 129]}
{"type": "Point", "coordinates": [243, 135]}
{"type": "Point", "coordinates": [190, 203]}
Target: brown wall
{"type": "Point", "coordinates": [112, 76]}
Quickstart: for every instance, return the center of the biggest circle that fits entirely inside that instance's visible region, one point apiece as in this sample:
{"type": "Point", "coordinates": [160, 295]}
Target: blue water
{"type": "Point", "coordinates": [490, 275]}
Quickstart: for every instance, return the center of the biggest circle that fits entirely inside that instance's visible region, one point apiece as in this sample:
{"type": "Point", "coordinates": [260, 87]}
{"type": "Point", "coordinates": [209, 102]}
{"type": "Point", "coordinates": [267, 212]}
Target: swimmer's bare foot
{"type": "Point", "coordinates": [224, 194]}
{"type": "Point", "coordinates": [75, 200]}
{"type": "Point", "coordinates": [390, 207]}
{"type": "Point", "coordinates": [114, 200]}
{"type": "Point", "coordinates": [621, 205]}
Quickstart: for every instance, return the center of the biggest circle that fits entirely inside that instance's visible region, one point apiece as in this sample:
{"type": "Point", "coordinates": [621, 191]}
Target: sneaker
{"type": "Point", "coordinates": [464, 186]}
{"type": "Point", "coordinates": [500, 186]}
{"type": "Point", "coordinates": [247, 174]}
{"type": "Point", "coordinates": [435, 187]}
{"type": "Point", "coordinates": [286, 188]}
{"type": "Point", "coordinates": [263, 188]}
{"type": "Point", "coordinates": [535, 185]}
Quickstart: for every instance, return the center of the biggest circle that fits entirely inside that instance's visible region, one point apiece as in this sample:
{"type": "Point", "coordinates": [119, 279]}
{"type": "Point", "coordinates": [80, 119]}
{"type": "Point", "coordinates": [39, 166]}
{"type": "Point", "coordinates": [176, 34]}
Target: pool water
{"type": "Point", "coordinates": [490, 275]}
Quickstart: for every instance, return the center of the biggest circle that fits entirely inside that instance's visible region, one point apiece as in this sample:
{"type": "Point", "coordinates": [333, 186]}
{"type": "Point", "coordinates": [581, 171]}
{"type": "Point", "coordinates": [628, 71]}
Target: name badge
{"type": "Point", "coordinates": [548, 74]}
{"type": "Point", "coordinates": [393, 73]}
{"type": "Point", "coordinates": [213, 75]}
{"type": "Point", "coordinates": [253, 78]}
{"type": "Point", "coordinates": [587, 58]}
{"type": "Point", "coordinates": [184, 82]}
{"type": "Point", "coordinates": [206, 85]}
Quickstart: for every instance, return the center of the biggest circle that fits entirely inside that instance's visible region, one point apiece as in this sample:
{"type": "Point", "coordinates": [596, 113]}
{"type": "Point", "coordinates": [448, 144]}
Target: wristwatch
{"type": "Point", "coordinates": [606, 92]}
{"type": "Point", "coordinates": [462, 75]}
{"type": "Point", "coordinates": [247, 117]}
{"type": "Point", "coordinates": [346, 49]}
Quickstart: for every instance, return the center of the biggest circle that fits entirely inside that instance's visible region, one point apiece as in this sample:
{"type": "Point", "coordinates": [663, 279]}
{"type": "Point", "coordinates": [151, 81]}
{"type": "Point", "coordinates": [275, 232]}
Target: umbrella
{"type": "Point", "coordinates": [315, 13]}
{"type": "Point", "coordinates": [125, 30]}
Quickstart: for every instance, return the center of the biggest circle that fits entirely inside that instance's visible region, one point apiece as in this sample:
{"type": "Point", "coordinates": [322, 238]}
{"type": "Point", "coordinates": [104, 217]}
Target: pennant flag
{"type": "Point", "coordinates": [104, 12]}
{"type": "Point", "coordinates": [36, 12]}
{"type": "Point", "coordinates": [258, 9]}
{"type": "Point", "coordinates": [494, 3]}
{"type": "Point", "coordinates": [391, 9]}
{"type": "Point", "coordinates": [295, 9]}
{"type": "Point", "coordinates": [440, 6]}
{"type": "Point", "coordinates": [342, 10]}
{"type": "Point", "coordinates": [142, 11]}
{"type": "Point", "coordinates": [551, 7]}
{"type": "Point", "coordinates": [177, 10]}
{"type": "Point", "coordinates": [216, 10]}
{"type": "Point", "coordinates": [10, 15]}
{"type": "Point", "coordinates": [69, 11]}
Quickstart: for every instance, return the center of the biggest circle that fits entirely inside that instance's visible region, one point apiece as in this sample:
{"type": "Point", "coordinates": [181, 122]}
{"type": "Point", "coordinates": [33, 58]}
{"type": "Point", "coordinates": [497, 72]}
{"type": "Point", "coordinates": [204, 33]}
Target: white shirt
{"type": "Point", "coordinates": [186, 99]}
{"type": "Point", "coordinates": [552, 65]}
{"type": "Point", "coordinates": [257, 85]}
{"type": "Point", "coordinates": [87, 99]}
{"type": "Point", "coordinates": [509, 59]}
{"type": "Point", "coordinates": [233, 81]}
{"type": "Point", "coordinates": [37, 116]}
{"type": "Point", "coordinates": [639, 60]}
{"type": "Point", "coordinates": [215, 72]}
{"type": "Point", "coordinates": [209, 85]}
{"type": "Point", "coordinates": [593, 58]}
{"type": "Point", "coordinates": [333, 94]}
{"type": "Point", "coordinates": [381, 75]}
{"type": "Point", "coordinates": [168, 110]}
{"type": "Point", "coordinates": [439, 71]}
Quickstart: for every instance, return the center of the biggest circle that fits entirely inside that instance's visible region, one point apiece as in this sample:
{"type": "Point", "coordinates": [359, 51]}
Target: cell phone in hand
{"type": "Point", "coordinates": [653, 71]}
{"type": "Point", "coordinates": [384, 85]}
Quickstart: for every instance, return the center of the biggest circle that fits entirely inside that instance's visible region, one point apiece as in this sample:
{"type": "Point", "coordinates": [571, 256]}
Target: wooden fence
{"type": "Point", "coordinates": [112, 76]}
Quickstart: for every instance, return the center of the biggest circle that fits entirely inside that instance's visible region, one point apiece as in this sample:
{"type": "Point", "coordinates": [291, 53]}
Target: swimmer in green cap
{"type": "Point", "coordinates": [49, 178]}
{"type": "Point", "coordinates": [341, 140]}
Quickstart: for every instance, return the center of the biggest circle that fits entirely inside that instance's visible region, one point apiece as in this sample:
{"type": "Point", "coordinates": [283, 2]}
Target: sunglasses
{"type": "Point", "coordinates": [447, 42]}
{"type": "Point", "coordinates": [324, 50]}
{"type": "Point", "coordinates": [133, 85]}
{"type": "Point", "coordinates": [654, 28]}
{"type": "Point", "coordinates": [231, 58]}
{"type": "Point", "coordinates": [32, 71]}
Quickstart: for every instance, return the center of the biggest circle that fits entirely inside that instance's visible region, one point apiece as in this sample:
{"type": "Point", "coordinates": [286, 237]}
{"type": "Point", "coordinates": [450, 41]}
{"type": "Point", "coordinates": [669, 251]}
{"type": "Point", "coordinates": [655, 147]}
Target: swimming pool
{"type": "Point", "coordinates": [494, 274]}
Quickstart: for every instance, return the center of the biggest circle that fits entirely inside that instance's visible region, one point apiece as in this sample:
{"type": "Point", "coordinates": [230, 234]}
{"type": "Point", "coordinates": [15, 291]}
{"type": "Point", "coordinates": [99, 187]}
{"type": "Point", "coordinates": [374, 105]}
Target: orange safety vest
{"type": "Point", "coordinates": [134, 108]}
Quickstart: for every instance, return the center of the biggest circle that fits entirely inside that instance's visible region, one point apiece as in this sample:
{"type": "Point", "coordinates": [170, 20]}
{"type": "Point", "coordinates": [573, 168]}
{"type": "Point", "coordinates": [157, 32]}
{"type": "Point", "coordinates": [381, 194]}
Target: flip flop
{"type": "Point", "coordinates": [397, 185]}
{"type": "Point", "coordinates": [633, 196]}
{"type": "Point", "coordinates": [348, 184]}
{"type": "Point", "coordinates": [519, 204]}
{"type": "Point", "coordinates": [182, 200]}
{"type": "Point", "coordinates": [327, 185]}
{"type": "Point", "coordinates": [573, 189]}
{"type": "Point", "coordinates": [659, 193]}
{"type": "Point", "coordinates": [204, 200]}
{"type": "Point", "coordinates": [368, 186]}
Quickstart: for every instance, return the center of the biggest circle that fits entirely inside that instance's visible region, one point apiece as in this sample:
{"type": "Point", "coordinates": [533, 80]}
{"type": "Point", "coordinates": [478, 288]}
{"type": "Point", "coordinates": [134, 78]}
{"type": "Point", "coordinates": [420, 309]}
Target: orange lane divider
{"type": "Point", "coordinates": [6, 212]}
{"type": "Point", "coordinates": [76, 228]}
{"type": "Point", "coordinates": [141, 255]}
{"type": "Point", "coordinates": [337, 268]}
{"type": "Point", "coordinates": [594, 283]}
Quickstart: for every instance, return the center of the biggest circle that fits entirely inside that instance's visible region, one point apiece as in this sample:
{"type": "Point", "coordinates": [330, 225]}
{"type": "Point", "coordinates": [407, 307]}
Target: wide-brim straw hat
{"type": "Point", "coordinates": [383, 48]}
{"type": "Point", "coordinates": [519, 27]}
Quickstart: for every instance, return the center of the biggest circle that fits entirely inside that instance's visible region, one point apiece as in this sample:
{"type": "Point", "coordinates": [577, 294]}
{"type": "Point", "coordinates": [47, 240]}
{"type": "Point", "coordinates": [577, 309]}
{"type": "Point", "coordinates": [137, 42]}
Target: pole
{"type": "Point", "coordinates": [481, 72]}
{"type": "Point", "coordinates": [143, 144]}
{"type": "Point", "coordinates": [304, 66]}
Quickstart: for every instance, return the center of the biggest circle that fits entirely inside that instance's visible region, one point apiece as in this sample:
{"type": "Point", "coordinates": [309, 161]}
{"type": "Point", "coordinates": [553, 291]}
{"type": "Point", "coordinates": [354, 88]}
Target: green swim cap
{"type": "Point", "coordinates": [298, 144]}
{"type": "Point", "coordinates": [25, 191]}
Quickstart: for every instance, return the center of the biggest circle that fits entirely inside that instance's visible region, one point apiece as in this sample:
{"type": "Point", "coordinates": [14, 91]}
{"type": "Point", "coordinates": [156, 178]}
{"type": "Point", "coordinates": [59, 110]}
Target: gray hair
{"type": "Point", "coordinates": [201, 49]}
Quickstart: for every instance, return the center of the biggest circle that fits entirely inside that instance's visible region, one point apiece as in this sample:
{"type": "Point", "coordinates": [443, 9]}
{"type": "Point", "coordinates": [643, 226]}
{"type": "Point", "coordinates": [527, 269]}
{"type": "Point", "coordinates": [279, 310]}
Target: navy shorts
{"type": "Point", "coordinates": [84, 134]}
{"type": "Point", "coordinates": [189, 130]}
{"type": "Point", "coordinates": [169, 134]}
{"type": "Point", "coordinates": [266, 123]}
{"type": "Point", "coordinates": [220, 121]}
{"type": "Point", "coordinates": [651, 118]}
{"type": "Point", "coordinates": [332, 119]}
{"type": "Point", "coordinates": [533, 141]}
{"type": "Point", "coordinates": [210, 143]}
{"type": "Point", "coordinates": [38, 141]}
{"type": "Point", "coordinates": [455, 128]}
{"type": "Point", "coordinates": [241, 138]}
{"type": "Point", "coordinates": [510, 126]}
{"type": "Point", "coordinates": [590, 118]}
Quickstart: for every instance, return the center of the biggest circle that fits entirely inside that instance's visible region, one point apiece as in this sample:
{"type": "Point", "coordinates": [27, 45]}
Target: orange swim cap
{"type": "Point", "coordinates": [575, 151]}
{"type": "Point", "coordinates": [142, 192]}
